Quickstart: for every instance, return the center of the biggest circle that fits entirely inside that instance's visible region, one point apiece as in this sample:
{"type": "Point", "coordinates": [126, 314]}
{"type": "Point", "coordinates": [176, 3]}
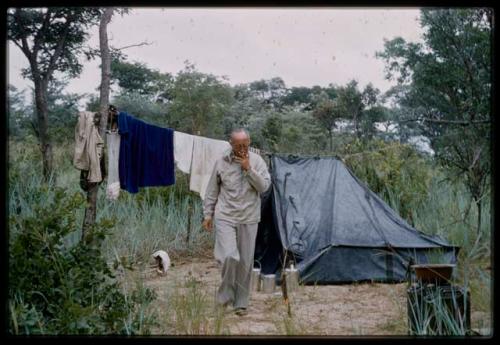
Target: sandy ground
{"type": "Point", "coordinates": [354, 309]}
{"type": "Point", "coordinates": [357, 309]}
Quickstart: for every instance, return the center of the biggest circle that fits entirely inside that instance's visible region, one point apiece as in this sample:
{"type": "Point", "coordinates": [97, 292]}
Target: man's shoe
{"type": "Point", "coordinates": [222, 307]}
{"type": "Point", "coordinates": [241, 311]}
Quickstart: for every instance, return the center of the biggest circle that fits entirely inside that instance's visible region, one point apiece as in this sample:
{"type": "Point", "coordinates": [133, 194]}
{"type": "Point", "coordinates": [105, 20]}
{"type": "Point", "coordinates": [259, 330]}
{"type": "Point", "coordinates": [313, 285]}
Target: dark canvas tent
{"type": "Point", "coordinates": [336, 229]}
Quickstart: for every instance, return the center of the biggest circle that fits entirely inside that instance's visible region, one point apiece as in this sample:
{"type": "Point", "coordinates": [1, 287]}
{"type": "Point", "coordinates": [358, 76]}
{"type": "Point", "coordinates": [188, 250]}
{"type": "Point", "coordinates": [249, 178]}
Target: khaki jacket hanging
{"type": "Point", "coordinates": [88, 146]}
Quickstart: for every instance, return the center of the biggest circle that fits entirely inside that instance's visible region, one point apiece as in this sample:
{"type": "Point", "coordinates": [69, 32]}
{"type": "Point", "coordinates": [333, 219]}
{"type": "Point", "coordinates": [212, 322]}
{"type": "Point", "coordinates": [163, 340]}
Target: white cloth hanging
{"type": "Point", "coordinates": [113, 186]}
{"type": "Point", "coordinates": [183, 151]}
{"type": "Point", "coordinates": [205, 152]}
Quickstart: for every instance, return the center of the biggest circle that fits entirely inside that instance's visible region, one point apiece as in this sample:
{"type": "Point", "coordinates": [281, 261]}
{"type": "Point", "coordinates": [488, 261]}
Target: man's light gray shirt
{"type": "Point", "coordinates": [233, 194]}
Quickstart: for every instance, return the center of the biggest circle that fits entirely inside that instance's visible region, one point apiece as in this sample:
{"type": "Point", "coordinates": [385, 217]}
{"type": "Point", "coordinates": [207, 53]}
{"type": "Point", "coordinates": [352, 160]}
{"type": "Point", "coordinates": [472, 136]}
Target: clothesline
{"type": "Point", "coordinates": [192, 154]}
{"type": "Point", "coordinates": [144, 155]}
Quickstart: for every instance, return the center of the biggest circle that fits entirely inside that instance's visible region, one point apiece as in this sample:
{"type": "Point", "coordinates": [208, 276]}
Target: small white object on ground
{"type": "Point", "coordinates": [163, 260]}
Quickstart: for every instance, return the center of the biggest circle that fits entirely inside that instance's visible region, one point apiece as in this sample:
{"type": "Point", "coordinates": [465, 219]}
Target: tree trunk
{"type": "Point", "coordinates": [356, 126]}
{"type": "Point", "coordinates": [105, 68]}
{"type": "Point", "coordinates": [90, 211]}
{"type": "Point", "coordinates": [331, 139]}
{"type": "Point", "coordinates": [43, 125]}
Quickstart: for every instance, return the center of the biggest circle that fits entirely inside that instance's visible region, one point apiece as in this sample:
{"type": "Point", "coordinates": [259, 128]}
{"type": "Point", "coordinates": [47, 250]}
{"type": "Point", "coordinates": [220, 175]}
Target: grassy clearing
{"type": "Point", "coordinates": [190, 310]}
{"type": "Point", "coordinates": [398, 324]}
{"type": "Point", "coordinates": [158, 218]}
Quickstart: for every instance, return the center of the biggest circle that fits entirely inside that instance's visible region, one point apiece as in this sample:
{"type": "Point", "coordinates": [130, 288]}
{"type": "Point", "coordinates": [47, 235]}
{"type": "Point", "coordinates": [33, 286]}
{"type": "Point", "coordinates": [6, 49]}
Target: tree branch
{"type": "Point", "coordinates": [24, 42]}
{"type": "Point", "coordinates": [59, 49]}
{"type": "Point", "coordinates": [25, 52]}
{"type": "Point", "coordinates": [457, 122]}
{"type": "Point", "coordinates": [451, 122]}
{"type": "Point", "coordinates": [134, 45]}
{"type": "Point", "coordinates": [41, 34]}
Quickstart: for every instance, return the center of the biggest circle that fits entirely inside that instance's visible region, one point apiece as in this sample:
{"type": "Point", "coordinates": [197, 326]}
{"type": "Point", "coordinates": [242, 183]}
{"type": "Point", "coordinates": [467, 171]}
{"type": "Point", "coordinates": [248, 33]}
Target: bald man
{"type": "Point", "coordinates": [232, 204]}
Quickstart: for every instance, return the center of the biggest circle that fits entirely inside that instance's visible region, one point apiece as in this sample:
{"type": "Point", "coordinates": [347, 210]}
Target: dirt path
{"type": "Point", "coordinates": [188, 290]}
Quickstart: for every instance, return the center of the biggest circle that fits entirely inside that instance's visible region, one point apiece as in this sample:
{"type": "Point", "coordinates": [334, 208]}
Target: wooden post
{"type": "Point", "coordinates": [284, 288]}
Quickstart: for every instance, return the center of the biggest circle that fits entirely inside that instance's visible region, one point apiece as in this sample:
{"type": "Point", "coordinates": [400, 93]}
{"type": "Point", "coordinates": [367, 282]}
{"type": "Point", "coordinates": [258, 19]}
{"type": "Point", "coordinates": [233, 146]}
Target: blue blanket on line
{"type": "Point", "coordinates": [146, 154]}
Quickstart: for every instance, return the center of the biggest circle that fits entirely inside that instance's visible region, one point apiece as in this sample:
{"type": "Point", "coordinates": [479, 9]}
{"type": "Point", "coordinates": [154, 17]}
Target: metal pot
{"type": "Point", "coordinates": [292, 278]}
{"type": "Point", "coordinates": [268, 282]}
{"type": "Point", "coordinates": [255, 279]}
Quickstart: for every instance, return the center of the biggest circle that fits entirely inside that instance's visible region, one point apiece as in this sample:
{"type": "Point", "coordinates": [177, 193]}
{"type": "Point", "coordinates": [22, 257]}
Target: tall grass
{"type": "Point", "coordinates": [155, 222]}
{"type": "Point", "coordinates": [155, 218]}
{"type": "Point", "coordinates": [447, 212]}
{"type": "Point", "coordinates": [188, 308]}
{"type": "Point", "coordinates": [433, 315]}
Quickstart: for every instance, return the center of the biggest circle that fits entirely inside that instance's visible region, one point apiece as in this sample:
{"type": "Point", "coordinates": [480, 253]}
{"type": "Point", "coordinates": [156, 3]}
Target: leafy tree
{"type": "Point", "coordinates": [18, 112]}
{"type": "Point", "coordinates": [372, 110]}
{"type": "Point", "coordinates": [371, 116]}
{"type": "Point", "coordinates": [244, 107]}
{"type": "Point", "coordinates": [328, 112]}
{"type": "Point", "coordinates": [308, 97]}
{"type": "Point", "coordinates": [298, 95]}
{"type": "Point", "coordinates": [350, 99]}
{"type": "Point", "coordinates": [63, 109]}
{"type": "Point", "coordinates": [445, 85]}
{"type": "Point", "coordinates": [199, 102]}
{"type": "Point", "coordinates": [92, 103]}
{"type": "Point", "coordinates": [62, 106]}
{"type": "Point", "coordinates": [370, 95]}
{"type": "Point", "coordinates": [397, 172]}
{"type": "Point", "coordinates": [270, 92]}
{"type": "Point", "coordinates": [137, 77]}
{"type": "Point", "coordinates": [272, 131]}
{"type": "Point", "coordinates": [51, 39]}
{"type": "Point", "coordinates": [143, 107]}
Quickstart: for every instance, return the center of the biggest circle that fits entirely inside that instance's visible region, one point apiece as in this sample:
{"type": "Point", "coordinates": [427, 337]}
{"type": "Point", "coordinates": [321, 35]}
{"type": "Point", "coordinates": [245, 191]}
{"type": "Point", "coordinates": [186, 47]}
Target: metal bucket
{"type": "Point", "coordinates": [255, 279]}
{"type": "Point", "coordinates": [292, 279]}
{"type": "Point", "coordinates": [268, 282]}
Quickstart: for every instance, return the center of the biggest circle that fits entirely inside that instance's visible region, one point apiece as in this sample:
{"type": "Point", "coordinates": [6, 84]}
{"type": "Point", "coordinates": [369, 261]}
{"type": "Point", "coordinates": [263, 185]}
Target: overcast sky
{"type": "Point", "coordinates": [304, 47]}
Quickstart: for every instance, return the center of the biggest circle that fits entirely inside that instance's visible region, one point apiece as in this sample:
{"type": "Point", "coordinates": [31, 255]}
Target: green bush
{"type": "Point", "coordinates": [141, 107]}
{"type": "Point", "coordinates": [56, 288]}
{"type": "Point", "coordinates": [396, 172]}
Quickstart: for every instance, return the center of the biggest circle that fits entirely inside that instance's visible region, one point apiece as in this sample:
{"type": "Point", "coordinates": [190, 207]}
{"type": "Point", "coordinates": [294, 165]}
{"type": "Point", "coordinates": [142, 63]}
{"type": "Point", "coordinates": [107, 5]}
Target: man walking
{"type": "Point", "coordinates": [232, 202]}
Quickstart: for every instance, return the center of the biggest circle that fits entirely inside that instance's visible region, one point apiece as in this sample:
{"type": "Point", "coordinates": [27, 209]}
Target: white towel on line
{"type": "Point", "coordinates": [183, 151]}
{"type": "Point", "coordinates": [113, 185]}
{"type": "Point", "coordinates": [205, 152]}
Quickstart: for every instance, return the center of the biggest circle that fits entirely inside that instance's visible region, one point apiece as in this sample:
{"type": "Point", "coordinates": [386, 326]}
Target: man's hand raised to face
{"type": "Point", "coordinates": [243, 159]}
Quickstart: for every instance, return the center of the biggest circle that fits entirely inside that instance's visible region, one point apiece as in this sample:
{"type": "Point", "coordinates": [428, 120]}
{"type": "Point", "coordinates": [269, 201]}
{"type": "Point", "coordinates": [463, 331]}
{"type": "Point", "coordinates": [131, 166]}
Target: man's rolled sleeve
{"type": "Point", "coordinates": [259, 177]}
